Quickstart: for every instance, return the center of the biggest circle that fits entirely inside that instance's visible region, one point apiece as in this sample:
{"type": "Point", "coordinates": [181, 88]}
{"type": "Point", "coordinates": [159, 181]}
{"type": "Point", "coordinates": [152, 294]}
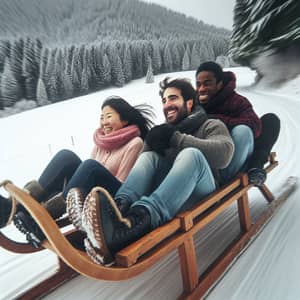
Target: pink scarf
{"type": "Point", "coordinates": [116, 139]}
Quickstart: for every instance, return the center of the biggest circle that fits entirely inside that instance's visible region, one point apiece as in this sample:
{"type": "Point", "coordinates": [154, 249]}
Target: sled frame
{"type": "Point", "coordinates": [178, 234]}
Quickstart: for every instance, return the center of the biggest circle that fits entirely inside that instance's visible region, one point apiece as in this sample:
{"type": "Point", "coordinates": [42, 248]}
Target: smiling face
{"type": "Point", "coordinates": [110, 120]}
{"type": "Point", "coordinates": [207, 86]}
{"type": "Point", "coordinates": [174, 107]}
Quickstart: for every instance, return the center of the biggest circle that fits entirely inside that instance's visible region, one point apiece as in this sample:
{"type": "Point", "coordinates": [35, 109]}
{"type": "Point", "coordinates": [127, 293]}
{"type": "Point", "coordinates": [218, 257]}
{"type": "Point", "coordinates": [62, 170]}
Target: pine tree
{"type": "Point", "coordinates": [117, 75]}
{"type": "Point", "coordinates": [261, 26]}
{"type": "Point", "coordinates": [127, 63]}
{"type": "Point", "coordinates": [4, 52]}
{"type": "Point", "coordinates": [186, 60]}
{"type": "Point", "coordinates": [10, 90]}
{"type": "Point", "coordinates": [156, 57]}
{"type": "Point", "coordinates": [137, 59]}
{"type": "Point", "coordinates": [41, 93]}
{"type": "Point", "coordinates": [149, 75]}
{"type": "Point", "coordinates": [176, 61]}
{"type": "Point", "coordinates": [30, 70]}
{"type": "Point", "coordinates": [106, 70]}
{"type": "Point", "coordinates": [167, 59]}
{"type": "Point", "coordinates": [16, 57]}
{"type": "Point", "coordinates": [67, 83]}
{"type": "Point", "coordinates": [84, 84]}
{"type": "Point", "coordinates": [195, 56]}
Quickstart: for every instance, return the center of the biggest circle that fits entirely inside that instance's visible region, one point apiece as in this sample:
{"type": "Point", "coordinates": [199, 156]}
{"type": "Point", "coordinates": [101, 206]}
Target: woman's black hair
{"type": "Point", "coordinates": [140, 115]}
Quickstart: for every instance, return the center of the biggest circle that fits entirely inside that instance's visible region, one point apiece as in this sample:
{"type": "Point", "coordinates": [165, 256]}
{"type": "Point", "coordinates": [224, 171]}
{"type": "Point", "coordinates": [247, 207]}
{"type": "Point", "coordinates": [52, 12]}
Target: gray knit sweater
{"type": "Point", "coordinates": [212, 139]}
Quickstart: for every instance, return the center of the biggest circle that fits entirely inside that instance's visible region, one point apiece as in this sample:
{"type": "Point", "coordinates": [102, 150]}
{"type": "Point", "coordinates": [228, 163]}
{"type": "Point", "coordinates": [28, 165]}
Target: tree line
{"type": "Point", "coordinates": [85, 46]}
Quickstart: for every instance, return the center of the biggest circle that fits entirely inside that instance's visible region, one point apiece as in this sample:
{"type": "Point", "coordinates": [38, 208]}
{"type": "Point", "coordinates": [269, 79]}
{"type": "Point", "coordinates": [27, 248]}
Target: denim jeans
{"type": "Point", "coordinates": [84, 175]}
{"type": "Point", "coordinates": [164, 186]}
{"type": "Point", "coordinates": [243, 140]}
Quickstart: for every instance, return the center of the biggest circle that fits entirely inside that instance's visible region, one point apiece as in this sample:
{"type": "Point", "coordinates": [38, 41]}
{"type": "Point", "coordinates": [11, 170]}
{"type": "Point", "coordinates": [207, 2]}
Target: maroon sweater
{"type": "Point", "coordinates": [232, 108]}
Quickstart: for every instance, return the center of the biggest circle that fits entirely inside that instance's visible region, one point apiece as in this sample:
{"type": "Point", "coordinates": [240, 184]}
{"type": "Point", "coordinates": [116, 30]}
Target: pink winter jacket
{"type": "Point", "coordinates": [119, 161]}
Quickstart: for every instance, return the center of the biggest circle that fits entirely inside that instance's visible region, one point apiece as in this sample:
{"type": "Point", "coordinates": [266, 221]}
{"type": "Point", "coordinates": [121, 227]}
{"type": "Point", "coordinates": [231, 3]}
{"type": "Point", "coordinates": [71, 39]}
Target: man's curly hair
{"type": "Point", "coordinates": [183, 84]}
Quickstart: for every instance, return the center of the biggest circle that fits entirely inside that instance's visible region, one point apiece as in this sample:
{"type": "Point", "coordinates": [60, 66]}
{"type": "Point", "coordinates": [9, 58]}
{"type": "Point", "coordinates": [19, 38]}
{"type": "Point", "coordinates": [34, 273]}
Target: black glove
{"type": "Point", "coordinates": [158, 138]}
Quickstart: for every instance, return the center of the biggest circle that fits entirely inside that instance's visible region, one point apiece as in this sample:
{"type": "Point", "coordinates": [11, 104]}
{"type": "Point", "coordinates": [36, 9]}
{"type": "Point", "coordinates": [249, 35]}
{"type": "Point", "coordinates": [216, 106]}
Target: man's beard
{"type": "Point", "coordinates": [182, 113]}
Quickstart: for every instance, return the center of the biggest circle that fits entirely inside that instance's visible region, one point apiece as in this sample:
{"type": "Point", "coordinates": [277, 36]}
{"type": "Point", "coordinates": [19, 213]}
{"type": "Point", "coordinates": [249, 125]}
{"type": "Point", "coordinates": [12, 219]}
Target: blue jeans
{"type": "Point", "coordinates": [84, 175]}
{"type": "Point", "coordinates": [243, 140]}
{"type": "Point", "coordinates": [164, 186]}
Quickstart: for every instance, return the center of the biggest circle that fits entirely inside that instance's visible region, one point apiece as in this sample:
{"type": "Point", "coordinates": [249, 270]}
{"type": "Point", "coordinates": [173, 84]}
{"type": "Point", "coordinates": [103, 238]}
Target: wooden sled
{"type": "Point", "coordinates": [139, 256]}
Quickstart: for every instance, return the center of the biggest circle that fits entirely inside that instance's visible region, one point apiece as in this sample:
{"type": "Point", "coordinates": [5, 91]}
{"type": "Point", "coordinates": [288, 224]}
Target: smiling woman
{"type": "Point", "coordinates": [118, 142]}
{"type": "Point", "coordinates": [110, 120]}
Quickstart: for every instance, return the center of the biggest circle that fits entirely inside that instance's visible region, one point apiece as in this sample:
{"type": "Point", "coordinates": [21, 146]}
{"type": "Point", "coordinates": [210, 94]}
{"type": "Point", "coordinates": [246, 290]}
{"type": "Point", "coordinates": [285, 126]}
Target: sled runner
{"type": "Point", "coordinates": [139, 256]}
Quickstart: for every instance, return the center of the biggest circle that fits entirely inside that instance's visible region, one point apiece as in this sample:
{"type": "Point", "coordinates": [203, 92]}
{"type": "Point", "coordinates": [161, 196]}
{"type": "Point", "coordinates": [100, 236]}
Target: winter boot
{"type": "Point", "coordinates": [34, 189]}
{"type": "Point", "coordinates": [55, 206]}
{"type": "Point", "coordinates": [74, 207]}
{"type": "Point", "coordinates": [5, 211]}
{"type": "Point", "coordinates": [257, 176]}
{"type": "Point", "coordinates": [107, 230]}
{"type": "Point", "coordinates": [262, 148]}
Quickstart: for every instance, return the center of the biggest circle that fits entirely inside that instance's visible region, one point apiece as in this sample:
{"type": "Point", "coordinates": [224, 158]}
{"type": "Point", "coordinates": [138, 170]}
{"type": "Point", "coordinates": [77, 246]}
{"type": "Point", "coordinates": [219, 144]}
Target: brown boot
{"type": "Point", "coordinates": [56, 206]}
{"type": "Point", "coordinates": [35, 190]}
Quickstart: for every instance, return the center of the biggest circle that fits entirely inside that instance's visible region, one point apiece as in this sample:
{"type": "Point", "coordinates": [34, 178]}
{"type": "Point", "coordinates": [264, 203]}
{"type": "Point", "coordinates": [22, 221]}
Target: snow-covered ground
{"type": "Point", "coordinates": [269, 269]}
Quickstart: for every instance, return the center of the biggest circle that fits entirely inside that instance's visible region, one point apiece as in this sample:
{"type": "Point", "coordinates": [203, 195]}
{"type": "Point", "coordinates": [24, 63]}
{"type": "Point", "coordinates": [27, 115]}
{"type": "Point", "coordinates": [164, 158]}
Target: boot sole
{"type": "Point", "coordinates": [75, 207]}
{"type": "Point", "coordinates": [24, 227]}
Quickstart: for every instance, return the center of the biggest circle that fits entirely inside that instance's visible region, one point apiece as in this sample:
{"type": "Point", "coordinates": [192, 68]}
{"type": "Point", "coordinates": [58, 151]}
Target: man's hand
{"type": "Point", "coordinates": [158, 138]}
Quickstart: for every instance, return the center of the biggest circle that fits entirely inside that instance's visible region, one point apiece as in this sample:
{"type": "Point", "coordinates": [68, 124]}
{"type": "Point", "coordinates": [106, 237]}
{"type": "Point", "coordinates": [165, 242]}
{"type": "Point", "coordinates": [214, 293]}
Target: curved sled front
{"type": "Point", "coordinates": [78, 259]}
{"type": "Point", "coordinates": [17, 247]}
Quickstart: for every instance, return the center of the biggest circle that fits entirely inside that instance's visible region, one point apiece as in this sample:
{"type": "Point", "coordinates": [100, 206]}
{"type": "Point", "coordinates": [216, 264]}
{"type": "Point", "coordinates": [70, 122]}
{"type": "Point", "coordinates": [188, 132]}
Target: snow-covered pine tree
{"type": "Point", "coordinates": [127, 63]}
{"type": "Point", "coordinates": [205, 53]}
{"type": "Point", "coordinates": [195, 56]}
{"type": "Point", "coordinates": [106, 70]}
{"type": "Point", "coordinates": [84, 84]}
{"type": "Point", "coordinates": [176, 60]}
{"type": "Point", "coordinates": [10, 90]}
{"type": "Point", "coordinates": [167, 59]}
{"type": "Point", "coordinates": [137, 59]}
{"type": "Point", "coordinates": [76, 71]}
{"type": "Point", "coordinates": [67, 84]}
{"type": "Point", "coordinates": [186, 59]}
{"type": "Point", "coordinates": [156, 57]}
{"type": "Point", "coordinates": [117, 75]}
{"type": "Point", "coordinates": [30, 71]}
{"type": "Point", "coordinates": [41, 93]}
{"type": "Point", "coordinates": [261, 26]}
{"type": "Point", "coordinates": [149, 75]}
{"type": "Point", "coordinates": [4, 52]}
{"type": "Point", "coordinates": [16, 57]}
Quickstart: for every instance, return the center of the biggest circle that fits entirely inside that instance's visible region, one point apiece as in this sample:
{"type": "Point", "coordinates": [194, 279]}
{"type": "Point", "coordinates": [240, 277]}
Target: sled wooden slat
{"type": "Point", "coordinates": [129, 255]}
{"type": "Point", "coordinates": [178, 234]}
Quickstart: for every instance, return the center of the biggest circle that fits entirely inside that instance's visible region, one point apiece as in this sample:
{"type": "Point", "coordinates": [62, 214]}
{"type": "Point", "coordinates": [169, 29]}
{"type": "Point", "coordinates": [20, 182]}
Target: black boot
{"type": "Point", "coordinates": [56, 206]}
{"type": "Point", "coordinates": [107, 230]}
{"type": "Point", "coordinates": [123, 205]}
{"type": "Point", "coordinates": [5, 210]}
{"type": "Point", "coordinates": [257, 176]}
{"type": "Point", "coordinates": [262, 148]}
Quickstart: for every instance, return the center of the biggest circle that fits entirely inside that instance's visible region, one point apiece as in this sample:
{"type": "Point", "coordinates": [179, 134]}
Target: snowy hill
{"type": "Point", "coordinates": [269, 269]}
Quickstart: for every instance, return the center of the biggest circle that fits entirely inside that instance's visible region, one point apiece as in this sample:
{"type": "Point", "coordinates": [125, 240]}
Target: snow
{"type": "Point", "coordinates": [269, 269]}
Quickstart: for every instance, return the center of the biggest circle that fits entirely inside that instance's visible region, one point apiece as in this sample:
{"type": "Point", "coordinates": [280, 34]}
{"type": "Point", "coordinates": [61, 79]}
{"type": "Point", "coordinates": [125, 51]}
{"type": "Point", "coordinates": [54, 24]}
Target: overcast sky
{"type": "Point", "coordinates": [214, 12]}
